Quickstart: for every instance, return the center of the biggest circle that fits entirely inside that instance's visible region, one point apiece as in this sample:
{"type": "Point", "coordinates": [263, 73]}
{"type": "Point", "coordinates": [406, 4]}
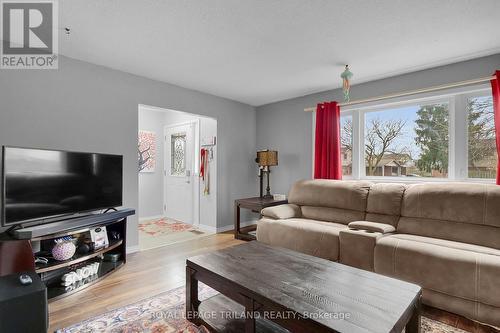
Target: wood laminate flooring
{"type": "Point", "coordinates": [151, 272]}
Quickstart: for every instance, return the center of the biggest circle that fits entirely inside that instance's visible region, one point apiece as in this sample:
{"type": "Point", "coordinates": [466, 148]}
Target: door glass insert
{"type": "Point", "coordinates": [178, 154]}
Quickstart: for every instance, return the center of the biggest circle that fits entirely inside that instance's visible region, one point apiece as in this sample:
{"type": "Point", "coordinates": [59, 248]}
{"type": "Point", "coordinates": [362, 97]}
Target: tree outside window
{"type": "Point", "coordinates": [482, 152]}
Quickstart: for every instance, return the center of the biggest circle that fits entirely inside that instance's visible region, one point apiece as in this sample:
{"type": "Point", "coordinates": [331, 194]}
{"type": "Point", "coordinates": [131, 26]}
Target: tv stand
{"type": "Point", "coordinates": [78, 228]}
{"type": "Point", "coordinates": [62, 226]}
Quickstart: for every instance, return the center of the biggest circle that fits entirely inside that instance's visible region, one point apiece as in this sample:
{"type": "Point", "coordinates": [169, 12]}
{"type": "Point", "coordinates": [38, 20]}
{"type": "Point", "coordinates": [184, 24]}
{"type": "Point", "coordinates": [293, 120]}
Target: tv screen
{"type": "Point", "coordinates": [39, 184]}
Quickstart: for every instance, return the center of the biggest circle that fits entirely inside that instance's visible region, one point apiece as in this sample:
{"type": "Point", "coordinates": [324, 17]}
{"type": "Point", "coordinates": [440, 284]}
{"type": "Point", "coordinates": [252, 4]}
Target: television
{"type": "Point", "coordinates": [40, 185]}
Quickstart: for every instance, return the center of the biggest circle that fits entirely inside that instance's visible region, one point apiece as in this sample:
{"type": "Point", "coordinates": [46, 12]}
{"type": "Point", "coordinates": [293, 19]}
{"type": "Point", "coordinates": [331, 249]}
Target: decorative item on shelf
{"type": "Point", "coordinates": [266, 159]}
{"type": "Point", "coordinates": [41, 260]}
{"type": "Point", "coordinates": [64, 249]}
{"type": "Point", "coordinates": [279, 197]}
{"type": "Point", "coordinates": [112, 257]}
{"type": "Point", "coordinates": [78, 284]}
{"type": "Point", "coordinates": [99, 237]}
{"type": "Point", "coordinates": [346, 83]}
{"type": "Point", "coordinates": [115, 235]}
{"type": "Point", "coordinates": [85, 247]}
{"type": "Point", "coordinates": [80, 274]}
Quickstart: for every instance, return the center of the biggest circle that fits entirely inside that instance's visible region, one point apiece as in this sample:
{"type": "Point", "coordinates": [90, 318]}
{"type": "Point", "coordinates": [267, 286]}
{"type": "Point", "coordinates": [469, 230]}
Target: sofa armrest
{"type": "Point", "coordinates": [286, 211]}
{"type": "Point", "coordinates": [372, 226]}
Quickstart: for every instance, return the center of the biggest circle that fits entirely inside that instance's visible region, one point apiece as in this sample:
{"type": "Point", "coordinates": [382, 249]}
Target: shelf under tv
{"type": "Point", "coordinates": [77, 258]}
{"type": "Point", "coordinates": [78, 228]}
{"type": "Point", "coordinates": [55, 291]}
{"type": "Point", "coordinates": [70, 225]}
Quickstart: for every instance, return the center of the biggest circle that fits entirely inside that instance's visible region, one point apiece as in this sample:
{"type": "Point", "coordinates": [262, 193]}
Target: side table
{"type": "Point", "coordinates": [255, 204]}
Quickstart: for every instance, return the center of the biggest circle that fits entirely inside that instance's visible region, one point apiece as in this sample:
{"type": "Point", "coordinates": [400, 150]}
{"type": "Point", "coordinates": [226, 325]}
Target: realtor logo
{"type": "Point", "coordinates": [29, 34]}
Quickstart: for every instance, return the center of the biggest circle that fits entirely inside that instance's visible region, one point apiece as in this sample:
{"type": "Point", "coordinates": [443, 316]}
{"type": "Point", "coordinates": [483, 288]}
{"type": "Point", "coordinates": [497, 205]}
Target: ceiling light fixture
{"type": "Point", "coordinates": [346, 83]}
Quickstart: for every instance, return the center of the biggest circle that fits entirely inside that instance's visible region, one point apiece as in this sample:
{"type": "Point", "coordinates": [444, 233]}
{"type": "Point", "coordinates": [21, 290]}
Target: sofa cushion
{"type": "Point", "coordinates": [286, 211]}
{"type": "Point", "coordinates": [384, 203]}
{"type": "Point", "coordinates": [320, 239]}
{"type": "Point", "coordinates": [460, 212]}
{"type": "Point", "coordinates": [458, 202]}
{"type": "Point", "coordinates": [458, 269]}
{"type": "Point", "coordinates": [372, 226]}
{"type": "Point", "coordinates": [337, 215]}
{"type": "Point", "coordinates": [350, 195]}
{"type": "Point", "coordinates": [482, 235]}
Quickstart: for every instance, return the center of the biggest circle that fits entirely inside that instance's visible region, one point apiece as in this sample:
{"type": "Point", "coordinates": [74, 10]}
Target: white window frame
{"type": "Point", "coordinates": [458, 132]}
{"type": "Point", "coordinates": [465, 97]}
{"type": "Point", "coordinates": [355, 147]}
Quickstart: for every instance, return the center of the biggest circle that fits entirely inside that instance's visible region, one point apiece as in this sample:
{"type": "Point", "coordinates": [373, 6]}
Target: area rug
{"type": "Point", "coordinates": [165, 231]}
{"type": "Point", "coordinates": [164, 313]}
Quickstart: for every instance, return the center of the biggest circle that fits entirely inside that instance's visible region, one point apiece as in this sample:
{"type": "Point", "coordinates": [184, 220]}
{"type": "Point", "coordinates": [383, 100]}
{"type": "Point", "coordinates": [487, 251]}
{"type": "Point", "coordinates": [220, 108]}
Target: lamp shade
{"type": "Point", "coordinates": [267, 157]}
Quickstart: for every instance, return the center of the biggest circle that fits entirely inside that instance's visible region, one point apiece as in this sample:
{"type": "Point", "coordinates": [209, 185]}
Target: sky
{"type": "Point", "coordinates": [408, 114]}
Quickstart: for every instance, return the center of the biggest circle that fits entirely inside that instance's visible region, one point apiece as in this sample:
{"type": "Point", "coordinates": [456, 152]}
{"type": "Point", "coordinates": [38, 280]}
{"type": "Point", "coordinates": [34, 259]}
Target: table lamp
{"type": "Point", "coordinates": [266, 159]}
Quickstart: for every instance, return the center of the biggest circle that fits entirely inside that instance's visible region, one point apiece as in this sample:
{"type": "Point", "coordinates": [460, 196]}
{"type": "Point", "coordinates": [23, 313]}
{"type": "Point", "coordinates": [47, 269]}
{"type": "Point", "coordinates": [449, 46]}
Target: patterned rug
{"type": "Point", "coordinates": [165, 231]}
{"type": "Point", "coordinates": [163, 226]}
{"type": "Point", "coordinates": [164, 313]}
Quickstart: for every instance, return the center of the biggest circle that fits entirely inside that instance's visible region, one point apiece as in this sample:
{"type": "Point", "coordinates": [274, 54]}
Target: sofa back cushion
{"type": "Point", "coordinates": [468, 213]}
{"type": "Point", "coordinates": [331, 200]}
{"type": "Point", "coordinates": [384, 203]}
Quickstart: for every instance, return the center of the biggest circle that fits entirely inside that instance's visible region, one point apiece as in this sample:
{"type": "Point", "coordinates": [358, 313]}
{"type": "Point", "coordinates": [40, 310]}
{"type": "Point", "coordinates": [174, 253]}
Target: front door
{"type": "Point", "coordinates": [179, 167]}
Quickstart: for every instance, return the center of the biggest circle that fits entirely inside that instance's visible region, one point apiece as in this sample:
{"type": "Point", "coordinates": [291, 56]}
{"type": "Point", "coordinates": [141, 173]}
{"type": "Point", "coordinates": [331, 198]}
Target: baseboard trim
{"type": "Point", "coordinates": [132, 249]}
{"type": "Point", "coordinates": [206, 228]}
{"type": "Point", "coordinates": [148, 218]}
{"type": "Point", "coordinates": [231, 226]}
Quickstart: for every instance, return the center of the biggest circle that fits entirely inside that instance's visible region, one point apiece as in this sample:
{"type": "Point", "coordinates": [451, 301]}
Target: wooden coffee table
{"type": "Point", "coordinates": [281, 290]}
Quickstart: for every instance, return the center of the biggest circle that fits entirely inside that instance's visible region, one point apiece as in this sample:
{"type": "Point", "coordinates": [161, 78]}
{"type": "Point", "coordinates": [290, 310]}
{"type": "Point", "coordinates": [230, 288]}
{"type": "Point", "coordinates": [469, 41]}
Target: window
{"type": "Point", "coordinates": [482, 152]}
{"type": "Point", "coordinates": [408, 141]}
{"type": "Point", "coordinates": [346, 144]}
{"type": "Point", "coordinates": [445, 137]}
{"type": "Point", "coordinates": [178, 157]}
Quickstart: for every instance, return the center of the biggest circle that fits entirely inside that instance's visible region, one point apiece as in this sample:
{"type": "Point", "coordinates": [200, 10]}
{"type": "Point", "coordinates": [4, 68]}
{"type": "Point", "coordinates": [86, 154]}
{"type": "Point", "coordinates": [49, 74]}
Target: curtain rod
{"type": "Point", "coordinates": [413, 92]}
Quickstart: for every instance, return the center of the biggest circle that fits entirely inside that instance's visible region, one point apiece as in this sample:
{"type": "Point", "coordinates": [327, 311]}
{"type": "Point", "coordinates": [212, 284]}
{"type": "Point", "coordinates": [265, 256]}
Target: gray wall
{"type": "Point", "coordinates": [151, 183]}
{"type": "Point", "coordinates": [85, 107]}
{"type": "Point", "coordinates": [286, 127]}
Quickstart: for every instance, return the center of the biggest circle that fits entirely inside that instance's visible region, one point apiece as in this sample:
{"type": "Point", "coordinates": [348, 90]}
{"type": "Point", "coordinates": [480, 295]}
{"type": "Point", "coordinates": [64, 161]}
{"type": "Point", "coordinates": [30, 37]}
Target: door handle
{"type": "Point", "coordinates": [188, 176]}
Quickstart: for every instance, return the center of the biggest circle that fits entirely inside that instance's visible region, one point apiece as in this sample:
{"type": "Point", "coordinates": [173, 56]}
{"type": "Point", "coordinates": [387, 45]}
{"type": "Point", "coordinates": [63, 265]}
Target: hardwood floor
{"type": "Point", "coordinates": [457, 321]}
{"type": "Point", "coordinates": [146, 274]}
{"type": "Point", "coordinates": [151, 272]}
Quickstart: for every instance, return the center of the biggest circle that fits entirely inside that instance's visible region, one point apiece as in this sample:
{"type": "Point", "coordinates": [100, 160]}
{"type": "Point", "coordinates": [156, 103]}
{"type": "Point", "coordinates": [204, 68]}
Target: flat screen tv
{"type": "Point", "coordinates": [39, 185]}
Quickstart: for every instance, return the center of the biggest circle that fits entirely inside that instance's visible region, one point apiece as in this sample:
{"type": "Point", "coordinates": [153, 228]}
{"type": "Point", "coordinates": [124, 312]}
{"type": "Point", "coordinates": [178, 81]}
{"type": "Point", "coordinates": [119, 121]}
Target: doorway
{"type": "Point", "coordinates": [177, 201]}
{"type": "Point", "coordinates": [181, 154]}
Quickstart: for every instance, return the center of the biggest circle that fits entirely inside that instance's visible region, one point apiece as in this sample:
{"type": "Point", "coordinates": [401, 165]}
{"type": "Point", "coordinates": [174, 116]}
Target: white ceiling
{"type": "Point", "coordinates": [261, 51]}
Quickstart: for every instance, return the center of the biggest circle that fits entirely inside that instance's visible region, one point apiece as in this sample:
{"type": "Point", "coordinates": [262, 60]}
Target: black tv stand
{"type": "Point", "coordinates": [70, 224]}
{"type": "Point", "coordinates": [51, 272]}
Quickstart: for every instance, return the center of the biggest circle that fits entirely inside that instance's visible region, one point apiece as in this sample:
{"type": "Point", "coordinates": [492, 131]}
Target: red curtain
{"type": "Point", "coordinates": [495, 86]}
{"type": "Point", "coordinates": [327, 162]}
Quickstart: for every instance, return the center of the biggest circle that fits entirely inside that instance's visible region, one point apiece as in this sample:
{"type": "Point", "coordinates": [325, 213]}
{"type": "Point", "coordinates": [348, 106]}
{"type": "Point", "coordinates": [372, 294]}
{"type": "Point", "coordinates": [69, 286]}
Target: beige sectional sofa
{"type": "Point", "coordinates": [443, 236]}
